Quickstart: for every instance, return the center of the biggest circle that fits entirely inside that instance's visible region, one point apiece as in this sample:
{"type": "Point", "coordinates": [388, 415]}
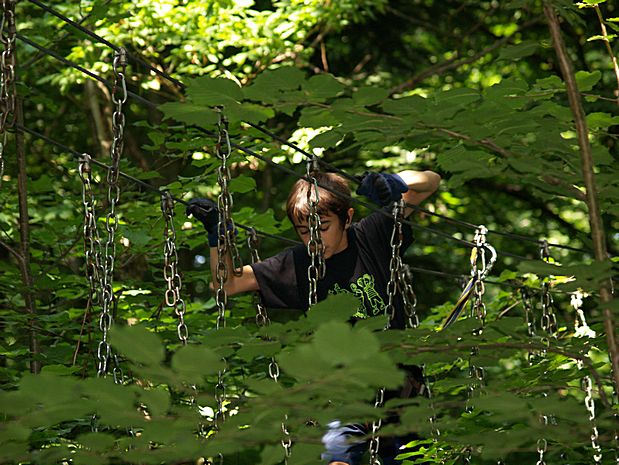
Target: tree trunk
{"type": "Point", "coordinates": [586, 157]}
{"type": "Point", "coordinates": [24, 234]}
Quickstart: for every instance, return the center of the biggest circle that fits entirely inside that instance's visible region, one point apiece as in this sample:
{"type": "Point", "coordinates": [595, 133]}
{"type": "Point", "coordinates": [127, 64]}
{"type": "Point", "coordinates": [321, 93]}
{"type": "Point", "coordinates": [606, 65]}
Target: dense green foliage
{"type": "Point", "coordinates": [470, 89]}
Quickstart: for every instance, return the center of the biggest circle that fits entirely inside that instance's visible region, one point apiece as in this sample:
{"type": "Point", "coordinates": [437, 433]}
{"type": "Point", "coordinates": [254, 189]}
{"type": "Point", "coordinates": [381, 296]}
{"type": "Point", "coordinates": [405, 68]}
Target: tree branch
{"type": "Point", "coordinates": [454, 63]}
{"type": "Point", "coordinates": [586, 157]}
{"type": "Point", "coordinates": [415, 349]}
{"type": "Point", "coordinates": [613, 58]}
{"type": "Point", "coordinates": [494, 147]}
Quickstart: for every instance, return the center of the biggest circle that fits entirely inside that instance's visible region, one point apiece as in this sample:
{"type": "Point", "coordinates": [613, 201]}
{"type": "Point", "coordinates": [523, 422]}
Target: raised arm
{"type": "Point", "coordinates": [205, 210]}
{"type": "Point", "coordinates": [421, 185]}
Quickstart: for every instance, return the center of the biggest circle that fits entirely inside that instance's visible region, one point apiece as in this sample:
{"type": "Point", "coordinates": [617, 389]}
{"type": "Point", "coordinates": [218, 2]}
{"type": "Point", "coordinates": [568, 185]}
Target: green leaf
{"type": "Point", "coordinates": [189, 113]}
{"type": "Point", "coordinates": [99, 442]}
{"type": "Point", "coordinates": [242, 184]}
{"type": "Point", "coordinates": [322, 87]}
{"type": "Point", "coordinates": [521, 50]}
{"type": "Point", "coordinates": [338, 307]}
{"type": "Point", "coordinates": [586, 80]}
{"type": "Point", "coordinates": [192, 363]}
{"type": "Point", "coordinates": [208, 91]}
{"type": "Point", "coordinates": [369, 95]}
{"type": "Point", "coordinates": [598, 120]}
{"type": "Point", "coordinates": [137, 344]}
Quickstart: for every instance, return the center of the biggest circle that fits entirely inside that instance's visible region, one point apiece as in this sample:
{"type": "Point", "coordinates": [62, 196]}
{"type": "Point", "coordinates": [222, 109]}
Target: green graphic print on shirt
{"type": "Point", "coordinates": [370, 302]}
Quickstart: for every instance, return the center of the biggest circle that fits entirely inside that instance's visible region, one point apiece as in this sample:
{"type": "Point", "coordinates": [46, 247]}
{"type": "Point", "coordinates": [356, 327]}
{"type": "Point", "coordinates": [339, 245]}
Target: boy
{"type": "Point", "coordinates": [357, 257]}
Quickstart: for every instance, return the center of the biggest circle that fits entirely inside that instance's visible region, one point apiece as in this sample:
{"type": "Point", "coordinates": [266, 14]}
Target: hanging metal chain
{"type": "Point", "coordinates": [541, 451]}
{"type": "Point", "coordinates": [529, 316]}
{"type": "Point", "coordinates": [436, 433]}
{"type": "Point", "coordinates": [395, 261]}
{"type": "Point", "coordinates": [376, 424]}
{"type": "Point", "coordinates": [170, 267]}
{"type": "Point", "coordinates": [92, 241]}
{"type": "Point", "coordinates": [225, 203]}
{"type": "Point", "coordinates": [583, 330]}
{"type": "Point", "coordinates": [226, 243]}
{"type": "Point", "coordinates": [286, 440]}
{"type": "Point", "coordinates": [409, 298]}
{"type": "Point", "coordinates": [226, 239]}
{"type": "Point", "coordinates": [315, 247]}
{"type": "Point", "coordinates": [8, 32]}
{"type": "Point", "coordinates": [119, 97]}
{"type": "Point", "coordinates": [480, 267]}
{"type": "Point", "coordinates": [262, 318]}
{"type": "Point", "coordinates": [549, 319]}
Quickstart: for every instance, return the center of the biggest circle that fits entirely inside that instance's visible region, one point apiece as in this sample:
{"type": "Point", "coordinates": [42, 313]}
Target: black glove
{"type": "Point", "coordinates": [382, 188]}
{"type": "Point", "coordinates": [205, 210]}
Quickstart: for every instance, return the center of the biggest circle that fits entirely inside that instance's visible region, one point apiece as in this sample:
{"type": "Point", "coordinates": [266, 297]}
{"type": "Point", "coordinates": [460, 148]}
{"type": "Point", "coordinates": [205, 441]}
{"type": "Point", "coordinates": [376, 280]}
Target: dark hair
{"type": "Point", "coordinates": [297, 206]}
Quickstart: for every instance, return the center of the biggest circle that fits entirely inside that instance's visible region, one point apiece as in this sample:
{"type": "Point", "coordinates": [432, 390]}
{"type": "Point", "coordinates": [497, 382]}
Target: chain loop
{"type": "Point", "coordinates": [286, 440]}
{"type": "Point", "coordinates": [480, 268]}
{"type": "Point", "coordinates": [409, 298]}
{"type": "Point", "coordinates": [583, 330]}
{"type": "Point", "coordinates": [119, 96]}
{"type": "Point", "coordinates": [170, 267]}
{"type": "Point", "coordinates": [549, 319]}
{"type": "Point", "coordinates": [541, 450]}
{"type": "Point", "coordinates": [376, 424]}
{"type": "Point", "coordinates": [262, 318]}
{"type": "Point", "coordinates": [315, 247]}
{"type": "Point", "coordinates": [226, 236]}
{"type": "Point", "coordinates": [8, 34]}
{"type": "Point", "coordinates": [92, 241]}
{"type": "Point", "coordinates": [395, 262]}
{"type": "Point", "coordinates": [225, 203]}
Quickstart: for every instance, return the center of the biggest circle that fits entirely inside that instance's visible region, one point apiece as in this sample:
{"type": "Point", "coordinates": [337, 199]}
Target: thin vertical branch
{"type": "Point", "coordinates": [595, 218]}
{"type": "Point", "coordinates": [24, 234]}
{"type": "Point", "coordinates": [609, 48]}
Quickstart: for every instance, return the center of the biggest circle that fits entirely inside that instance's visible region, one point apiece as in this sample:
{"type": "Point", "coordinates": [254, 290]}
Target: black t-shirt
{"type": "Point", "coordinates": [362, 269]}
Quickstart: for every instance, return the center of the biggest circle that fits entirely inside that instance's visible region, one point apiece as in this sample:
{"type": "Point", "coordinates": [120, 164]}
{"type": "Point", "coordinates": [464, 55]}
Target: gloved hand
{"type": "Point", "coordinates": [205, 210]}
{"type": "Point", "coordinates": [382, 188]}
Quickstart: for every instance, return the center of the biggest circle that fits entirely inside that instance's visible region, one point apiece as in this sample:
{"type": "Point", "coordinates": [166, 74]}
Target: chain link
{"type": "Point", "coordinates": [8, 32]}
{"type": "Point", "coordinates": [286, 440]}
{"type": "Point", "coordinates": [119, 97]}
{"type": "Point", "coordinates": [315, 247]}
{"type": "Point", "coordinates": [170, 267]}
{"type": "Point", "coordinates": [220, 397]}
{"type": "Point", "coordinates": [409, 298]}
{"type": "Point", "coordinates": [479, 271]}
{"type": "Point", "coordinates": [376, 424]}
{"type": "Point", "coordinates": [262, 318]}
{"type": "Point", "coordinates": [582, 329]}
{"type": "Point", "coordinates": [92, 241]}
{"type": "Point", "coordinates": [541, 451]}
{"type": "Point", "coordinates": [226, 241]}
{"type": "Point", "coordinates": [529, 316]}
{"type": "Point", "coordinates": [480, 267]}
{"type": "Point", "coordinates": [436, 433]}
{"type": "Point", "coordinates": [549, 319]}
{"type": "Point", "coordinates": [395, 262]}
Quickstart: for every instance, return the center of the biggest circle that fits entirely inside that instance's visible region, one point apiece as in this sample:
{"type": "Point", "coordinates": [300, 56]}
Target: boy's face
{"type": "Point", "coordinates": [333, 232]}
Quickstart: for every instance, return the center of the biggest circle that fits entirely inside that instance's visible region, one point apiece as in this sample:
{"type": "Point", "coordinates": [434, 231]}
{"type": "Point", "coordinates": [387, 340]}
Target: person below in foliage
{"type": "Point", "coordinates": [357, 257]}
